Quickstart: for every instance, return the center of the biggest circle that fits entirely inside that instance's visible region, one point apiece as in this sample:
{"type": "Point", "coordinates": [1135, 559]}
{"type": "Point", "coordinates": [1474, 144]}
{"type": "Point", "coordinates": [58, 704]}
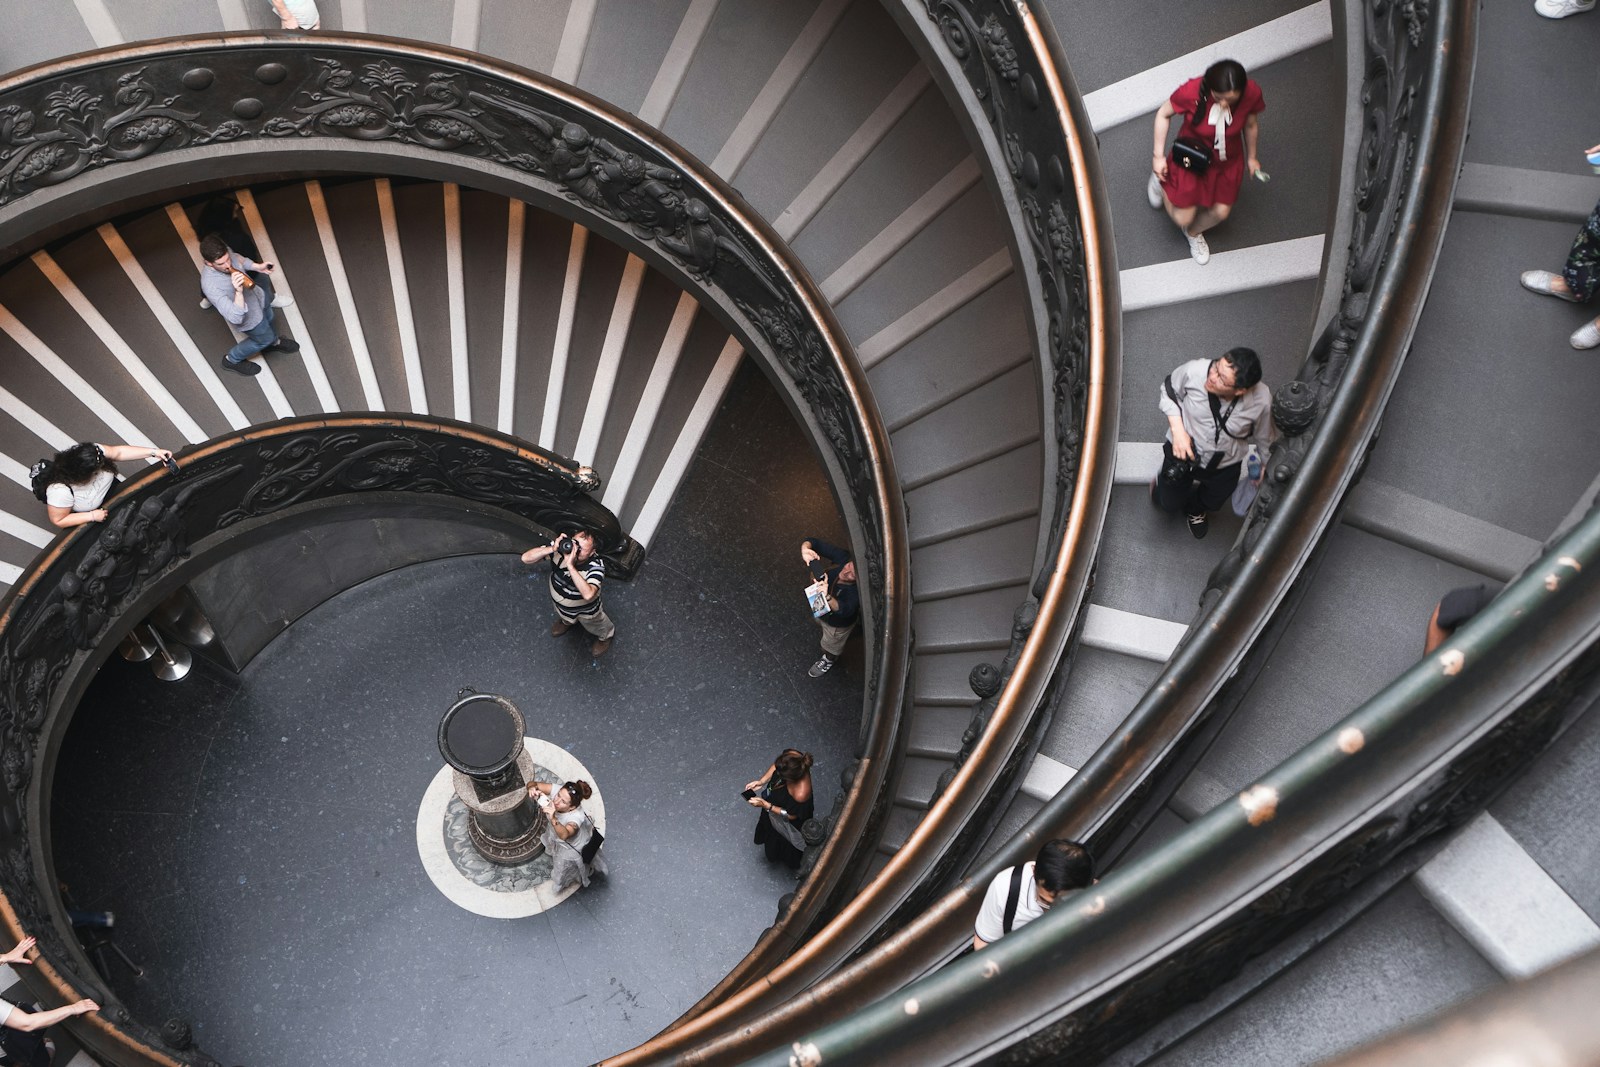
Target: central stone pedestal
{"type": "Point", "coordinates": [480, 738]}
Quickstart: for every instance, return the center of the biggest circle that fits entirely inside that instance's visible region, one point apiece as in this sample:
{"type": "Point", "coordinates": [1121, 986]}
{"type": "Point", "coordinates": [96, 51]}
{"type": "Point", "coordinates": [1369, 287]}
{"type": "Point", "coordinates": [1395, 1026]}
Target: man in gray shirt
{"type": "Point", "coordinates": [246, 303]}
{"type": "Point", "coordinates": [1215, 409]}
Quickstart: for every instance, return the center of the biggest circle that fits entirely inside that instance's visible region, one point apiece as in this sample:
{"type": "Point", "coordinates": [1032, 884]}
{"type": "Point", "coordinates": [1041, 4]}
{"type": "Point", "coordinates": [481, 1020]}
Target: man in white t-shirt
{"type": "Point", "coordinates": [15, 1018]}
{"type": "Point", "coordinates": [1019, 895]}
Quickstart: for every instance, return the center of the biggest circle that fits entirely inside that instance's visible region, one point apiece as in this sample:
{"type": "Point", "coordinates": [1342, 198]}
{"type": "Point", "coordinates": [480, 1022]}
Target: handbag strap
{"type": "Point", "coordinates": [1221, 418]}
{"type": "Point", "coordinates": [1012, 899]}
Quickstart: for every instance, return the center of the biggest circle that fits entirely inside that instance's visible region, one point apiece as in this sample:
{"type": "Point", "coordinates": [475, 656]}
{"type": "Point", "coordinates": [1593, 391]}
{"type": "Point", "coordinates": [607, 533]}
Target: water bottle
{"type": "Point", "coordinates": [1252, 467]}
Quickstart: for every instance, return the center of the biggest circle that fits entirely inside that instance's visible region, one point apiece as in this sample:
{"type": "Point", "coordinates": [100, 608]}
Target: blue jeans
{"type": "Point", "coordinates": [261, 335]}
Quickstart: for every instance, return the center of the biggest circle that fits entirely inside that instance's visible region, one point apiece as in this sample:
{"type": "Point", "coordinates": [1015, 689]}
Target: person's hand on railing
{"type": "Point", "coordinates": [20, 953]}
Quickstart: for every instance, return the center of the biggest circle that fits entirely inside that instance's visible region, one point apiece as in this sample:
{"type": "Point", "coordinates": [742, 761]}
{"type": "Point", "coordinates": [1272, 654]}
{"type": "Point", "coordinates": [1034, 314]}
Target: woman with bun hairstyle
{"type": "Point", "coordinates": [784, 796]}
{"type": "Point", "coordinates": [567, 830]}
{"type": "Point", "coordinates": [75, 482]}
{"type": "Point", "coordinates": [1219, 112]}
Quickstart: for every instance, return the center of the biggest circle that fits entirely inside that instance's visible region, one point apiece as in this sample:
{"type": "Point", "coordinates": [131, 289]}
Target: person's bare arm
{"type": "Point", "coordinates": [1252, 138]}
{"type": "Point", "coordinates": [43, 1020]}
{"type": "Point", "coordinates": [1158, 162]}
{"type": "Point", "coordinates": [126, 453]}
{"type": "Point", "coordinates": [66, 518]}
{"type": "Point", "coordinates": [287, 20]}
{"type": "Point", "coordinates": [1437, 635]}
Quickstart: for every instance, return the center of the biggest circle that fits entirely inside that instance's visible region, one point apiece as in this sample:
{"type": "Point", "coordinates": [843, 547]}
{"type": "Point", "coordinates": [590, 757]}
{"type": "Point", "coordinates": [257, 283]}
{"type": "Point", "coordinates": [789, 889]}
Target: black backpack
{"type": "Point", "coordinates": [39, 476]}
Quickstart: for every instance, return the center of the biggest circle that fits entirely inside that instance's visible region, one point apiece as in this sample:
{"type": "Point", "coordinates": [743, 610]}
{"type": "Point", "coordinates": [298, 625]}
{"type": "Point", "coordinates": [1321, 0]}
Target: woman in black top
{"type": "Point", "coordinates": [784, 795]}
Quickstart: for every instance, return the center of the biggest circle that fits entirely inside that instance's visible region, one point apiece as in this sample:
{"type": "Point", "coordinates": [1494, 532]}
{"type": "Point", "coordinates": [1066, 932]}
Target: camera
{"type": "Point", "coordinates": [565, 546]}
{"type": "Point", "coordinates": [819, 569]}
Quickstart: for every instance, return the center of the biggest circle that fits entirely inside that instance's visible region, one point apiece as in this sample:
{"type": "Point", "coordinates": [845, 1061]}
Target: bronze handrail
{"type": "Point", "coordinates": [1409, 165]}
{"type": "Point", "coordinates": [1067, 250]}
{"type": "Point", "coordinates": [1425, 754]}
{"type": "Point", "coordinates": [111, 130]}
{"type": "Point", "coordinates": [1410, 162]}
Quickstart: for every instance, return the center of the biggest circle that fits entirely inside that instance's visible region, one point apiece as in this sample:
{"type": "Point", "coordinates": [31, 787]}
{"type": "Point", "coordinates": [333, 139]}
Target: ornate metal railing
{"type": "Point", "coordinates": [1424, 755]}
{"type": "Point", "coordinates": [1019, 95]}
{"type": "Point", "coordinates": [93, 583]}
{"type": "Point", "coordinates": [106, 132]}
{"type": "Point", "coordinates": [1416, 94]}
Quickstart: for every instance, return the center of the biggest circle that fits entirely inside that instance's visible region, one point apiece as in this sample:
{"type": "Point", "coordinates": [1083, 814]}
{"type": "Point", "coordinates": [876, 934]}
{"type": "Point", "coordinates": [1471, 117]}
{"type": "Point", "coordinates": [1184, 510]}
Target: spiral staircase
{"type": "Point", "coordinates": [431, 297]}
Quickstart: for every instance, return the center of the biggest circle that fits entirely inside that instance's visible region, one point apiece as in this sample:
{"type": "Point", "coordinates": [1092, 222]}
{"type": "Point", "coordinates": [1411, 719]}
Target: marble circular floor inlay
{"type": "Point", "coordinates": [472, 882]}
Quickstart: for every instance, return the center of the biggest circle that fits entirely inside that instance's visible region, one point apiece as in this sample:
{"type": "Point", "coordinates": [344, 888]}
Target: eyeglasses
{"type": "Point", "coordinates": [1216, 374]}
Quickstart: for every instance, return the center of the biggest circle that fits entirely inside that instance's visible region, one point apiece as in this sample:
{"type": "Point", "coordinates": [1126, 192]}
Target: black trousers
{"type": "Point", "coordinates": [1209, 490]}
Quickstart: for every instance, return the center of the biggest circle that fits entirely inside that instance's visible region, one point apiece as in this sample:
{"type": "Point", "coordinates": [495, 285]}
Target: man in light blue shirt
{"type": "Point", "coordinates": [243, 301]}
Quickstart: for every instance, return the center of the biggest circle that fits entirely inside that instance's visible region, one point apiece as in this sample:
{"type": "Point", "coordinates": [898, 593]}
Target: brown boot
{"type": "Point", "coordinates": [598, 649]}
{"type": "Point", "coordinates": [559, 627]}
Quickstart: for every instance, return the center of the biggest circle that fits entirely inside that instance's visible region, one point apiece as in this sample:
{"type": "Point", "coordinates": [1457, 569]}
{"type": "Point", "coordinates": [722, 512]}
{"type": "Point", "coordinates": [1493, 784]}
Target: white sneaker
{"type": "Point", "coordinates": [1152, 191]}
{"type": "Point", "coordinates": [281, 300]}
{"type": "Point", "coordinates": [204, 302]}
{"type": "Point", "coordinates": [1560, 9]}
{"type": "Point", "coordinates": [1588, 335]}
{"type": "Point", "coordinates": [1199, 251]}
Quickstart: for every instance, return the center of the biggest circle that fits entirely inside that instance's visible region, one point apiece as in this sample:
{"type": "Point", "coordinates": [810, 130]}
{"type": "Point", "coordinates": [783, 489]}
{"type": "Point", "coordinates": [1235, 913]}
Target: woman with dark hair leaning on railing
{"type": "Point", "coordinates": [75, 482]}
{"type": "Point", "coordinates": [1199, 180]}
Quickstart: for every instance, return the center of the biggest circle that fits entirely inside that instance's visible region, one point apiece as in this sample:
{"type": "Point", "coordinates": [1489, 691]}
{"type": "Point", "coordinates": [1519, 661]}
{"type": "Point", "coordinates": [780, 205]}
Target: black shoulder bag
{"type": "Point", "coordinates": [1193, 154]}
{"type": "Point", "coordinates": [591, 848]}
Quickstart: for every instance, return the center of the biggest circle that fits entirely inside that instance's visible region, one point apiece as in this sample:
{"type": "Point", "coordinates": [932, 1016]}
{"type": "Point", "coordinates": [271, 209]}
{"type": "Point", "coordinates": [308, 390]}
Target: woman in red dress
{"type": "Point", "coordinates": [1224, 98]}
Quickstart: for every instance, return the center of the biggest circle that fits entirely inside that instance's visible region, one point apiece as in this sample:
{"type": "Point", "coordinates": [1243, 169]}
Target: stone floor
{"type": "Point", "coordinates": [255, 835]}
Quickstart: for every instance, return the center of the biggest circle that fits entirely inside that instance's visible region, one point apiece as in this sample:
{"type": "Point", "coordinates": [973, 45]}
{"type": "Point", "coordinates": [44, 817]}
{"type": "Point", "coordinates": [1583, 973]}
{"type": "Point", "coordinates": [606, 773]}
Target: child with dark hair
{"type": "Point", "coordinates": [1218, 112]}
{"type": "Point", "coordinates": [75, 482]}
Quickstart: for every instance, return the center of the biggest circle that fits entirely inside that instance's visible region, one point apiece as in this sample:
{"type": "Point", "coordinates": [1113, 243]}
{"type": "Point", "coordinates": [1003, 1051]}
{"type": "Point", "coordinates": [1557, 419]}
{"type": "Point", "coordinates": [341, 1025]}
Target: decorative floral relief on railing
{"type": "Point", "coordinates": [1011, 86]}
{"type": "Point", "coordinates": [1399, 63]}
{"type": "Point", "coordinates": [1396, 66]}
{"type": "Point", "coordinates": [79, 131]}
{"type": "Point", "coordinates": [120, 110]}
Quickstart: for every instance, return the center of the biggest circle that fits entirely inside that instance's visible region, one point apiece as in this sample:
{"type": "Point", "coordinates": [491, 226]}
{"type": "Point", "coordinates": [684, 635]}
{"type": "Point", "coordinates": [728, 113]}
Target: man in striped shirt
{"type": "Point", "coordinates": [575, 580]}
